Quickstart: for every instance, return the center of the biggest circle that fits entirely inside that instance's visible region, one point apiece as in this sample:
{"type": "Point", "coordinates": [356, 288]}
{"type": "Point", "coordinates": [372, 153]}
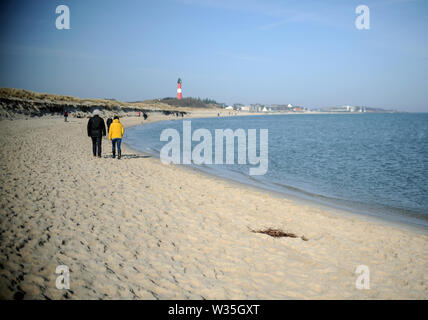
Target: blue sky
{"type": "Point", "coordinates": [307, 53]}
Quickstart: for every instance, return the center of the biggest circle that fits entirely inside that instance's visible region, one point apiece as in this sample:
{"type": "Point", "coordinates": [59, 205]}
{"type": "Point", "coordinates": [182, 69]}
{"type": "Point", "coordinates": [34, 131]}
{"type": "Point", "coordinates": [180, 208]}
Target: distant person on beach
{"type": "Point", "coordinates": [96, 130]}
{"type": "Point", "coordinates": [109, 121]}
{"type": "Point", "coordinates": [145, 116]}
{"type": "Point", "coordinates": [65, 115]}
{"type": "Point", "coordinates": [115, 134]}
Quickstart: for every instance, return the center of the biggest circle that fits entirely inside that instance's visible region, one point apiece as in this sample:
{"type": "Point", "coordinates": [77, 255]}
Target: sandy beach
{"type": "Point", "coordinates": [137, 229]}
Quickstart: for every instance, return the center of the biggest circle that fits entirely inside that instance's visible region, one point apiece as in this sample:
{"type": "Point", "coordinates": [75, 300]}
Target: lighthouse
{"type": "Point", "coordinates": [179, 89]}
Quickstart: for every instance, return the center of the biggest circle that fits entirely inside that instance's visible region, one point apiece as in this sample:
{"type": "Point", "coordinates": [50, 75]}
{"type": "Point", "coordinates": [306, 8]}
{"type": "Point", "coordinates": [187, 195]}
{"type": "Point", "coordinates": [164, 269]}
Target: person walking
{"type": "Point", "coordinates": [96, 130]}
{"type": "Point", "coordinates": [65, 115]}
{"type": "Point", "coordinates": [109, 121]}
{"type": "Point", "coordinates": [115, 134]}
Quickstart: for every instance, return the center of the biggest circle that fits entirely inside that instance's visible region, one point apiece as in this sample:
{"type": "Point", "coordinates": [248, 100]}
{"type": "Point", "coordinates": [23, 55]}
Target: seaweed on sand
{"type": "Point", "coordinates": [276, 233]}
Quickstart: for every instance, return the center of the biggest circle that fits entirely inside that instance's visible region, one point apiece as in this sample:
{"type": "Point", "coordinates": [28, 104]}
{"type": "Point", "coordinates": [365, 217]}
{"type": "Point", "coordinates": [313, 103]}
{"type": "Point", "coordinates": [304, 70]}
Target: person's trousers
{"type": "Point", "coordinates": [115, 142]}
{"type": "Point", "coordinates": [96, 146]}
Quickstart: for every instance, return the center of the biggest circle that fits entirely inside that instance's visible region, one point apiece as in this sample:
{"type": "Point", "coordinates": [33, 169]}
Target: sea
{"type": "Point", "coordinates": [366, 163]}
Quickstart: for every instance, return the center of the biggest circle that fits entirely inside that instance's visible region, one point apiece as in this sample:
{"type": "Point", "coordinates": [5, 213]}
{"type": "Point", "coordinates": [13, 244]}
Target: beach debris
{"type": "Point", "coordinates": [277, 233]}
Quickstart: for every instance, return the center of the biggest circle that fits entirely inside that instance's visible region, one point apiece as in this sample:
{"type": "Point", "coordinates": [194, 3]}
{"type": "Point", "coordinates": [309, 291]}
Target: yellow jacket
{"type": "Point", "coordinates": [116, 130]}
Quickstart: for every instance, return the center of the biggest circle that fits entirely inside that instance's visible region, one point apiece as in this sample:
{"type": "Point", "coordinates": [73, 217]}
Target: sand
{"type": "Point", "coordinates": [137, 229]}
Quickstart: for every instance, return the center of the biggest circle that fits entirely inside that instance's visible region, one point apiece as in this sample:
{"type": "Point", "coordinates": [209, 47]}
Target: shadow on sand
{"type": "Point", "coordinates": [130, 156]}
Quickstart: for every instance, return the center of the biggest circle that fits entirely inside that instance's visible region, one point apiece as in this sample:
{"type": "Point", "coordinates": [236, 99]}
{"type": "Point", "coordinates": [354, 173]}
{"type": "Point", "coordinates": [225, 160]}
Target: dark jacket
{"type": "Point", "coordinates": [96, 127]}
{"type": "Point", "coordinates": [109, 121]}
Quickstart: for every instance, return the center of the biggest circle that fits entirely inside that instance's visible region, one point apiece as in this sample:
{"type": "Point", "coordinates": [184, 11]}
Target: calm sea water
{"type": "Point", "coordinates": [374, 164]}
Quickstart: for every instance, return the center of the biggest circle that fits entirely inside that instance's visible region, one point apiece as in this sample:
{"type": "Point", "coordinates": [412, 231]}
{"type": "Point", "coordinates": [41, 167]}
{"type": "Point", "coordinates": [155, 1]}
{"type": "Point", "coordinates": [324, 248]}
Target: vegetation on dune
{"type": "Point", "coordinates": [192, 102]}
{"type": "Point", "coordinates": [166, 103]}
{"type": "Point", "coordinates": [24, 102]}
{"type": "Point", "coordinates": [30, 95]}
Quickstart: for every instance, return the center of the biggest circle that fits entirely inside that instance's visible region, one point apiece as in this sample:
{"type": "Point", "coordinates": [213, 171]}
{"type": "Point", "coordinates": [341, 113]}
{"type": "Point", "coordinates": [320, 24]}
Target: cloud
{"type": "Point", "coordinates": [274, 25]}
{"type": "Point", "coordinates": [281, 12]}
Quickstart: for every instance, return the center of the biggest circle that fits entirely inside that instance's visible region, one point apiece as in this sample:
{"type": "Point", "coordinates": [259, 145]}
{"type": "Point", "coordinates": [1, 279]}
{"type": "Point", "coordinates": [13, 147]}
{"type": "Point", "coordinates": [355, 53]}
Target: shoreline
{"type": "Point", "coordinates": [138, 229]}
{"type": "Point", "coordinates": [300, 196]}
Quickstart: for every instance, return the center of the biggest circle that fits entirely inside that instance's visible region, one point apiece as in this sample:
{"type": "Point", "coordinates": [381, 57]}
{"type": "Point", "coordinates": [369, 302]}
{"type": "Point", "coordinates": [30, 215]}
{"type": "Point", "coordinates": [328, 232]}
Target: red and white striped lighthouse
{"type": "Point", "coordinates": [179, 95]}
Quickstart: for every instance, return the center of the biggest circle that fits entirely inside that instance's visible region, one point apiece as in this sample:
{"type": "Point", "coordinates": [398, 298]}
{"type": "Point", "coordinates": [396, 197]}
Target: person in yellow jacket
{"type": "Point", "coordinates": [115, 134]}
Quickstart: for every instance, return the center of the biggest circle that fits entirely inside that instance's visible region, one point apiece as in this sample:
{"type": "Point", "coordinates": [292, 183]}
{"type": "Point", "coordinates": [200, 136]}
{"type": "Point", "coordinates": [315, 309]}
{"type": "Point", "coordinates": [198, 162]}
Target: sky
{"type": "Point", "coordinates": [306, 53]}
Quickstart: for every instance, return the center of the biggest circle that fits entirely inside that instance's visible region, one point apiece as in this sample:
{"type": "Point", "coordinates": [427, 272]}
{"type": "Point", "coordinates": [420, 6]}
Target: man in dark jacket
{"type": "Point", "coordinates": [96, 130]}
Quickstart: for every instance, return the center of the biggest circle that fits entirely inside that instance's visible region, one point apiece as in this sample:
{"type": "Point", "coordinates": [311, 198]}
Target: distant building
{"type": "Point", "coordinates": [279, 107]}
{"type": "Point", "coordinates": [256, 107]}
